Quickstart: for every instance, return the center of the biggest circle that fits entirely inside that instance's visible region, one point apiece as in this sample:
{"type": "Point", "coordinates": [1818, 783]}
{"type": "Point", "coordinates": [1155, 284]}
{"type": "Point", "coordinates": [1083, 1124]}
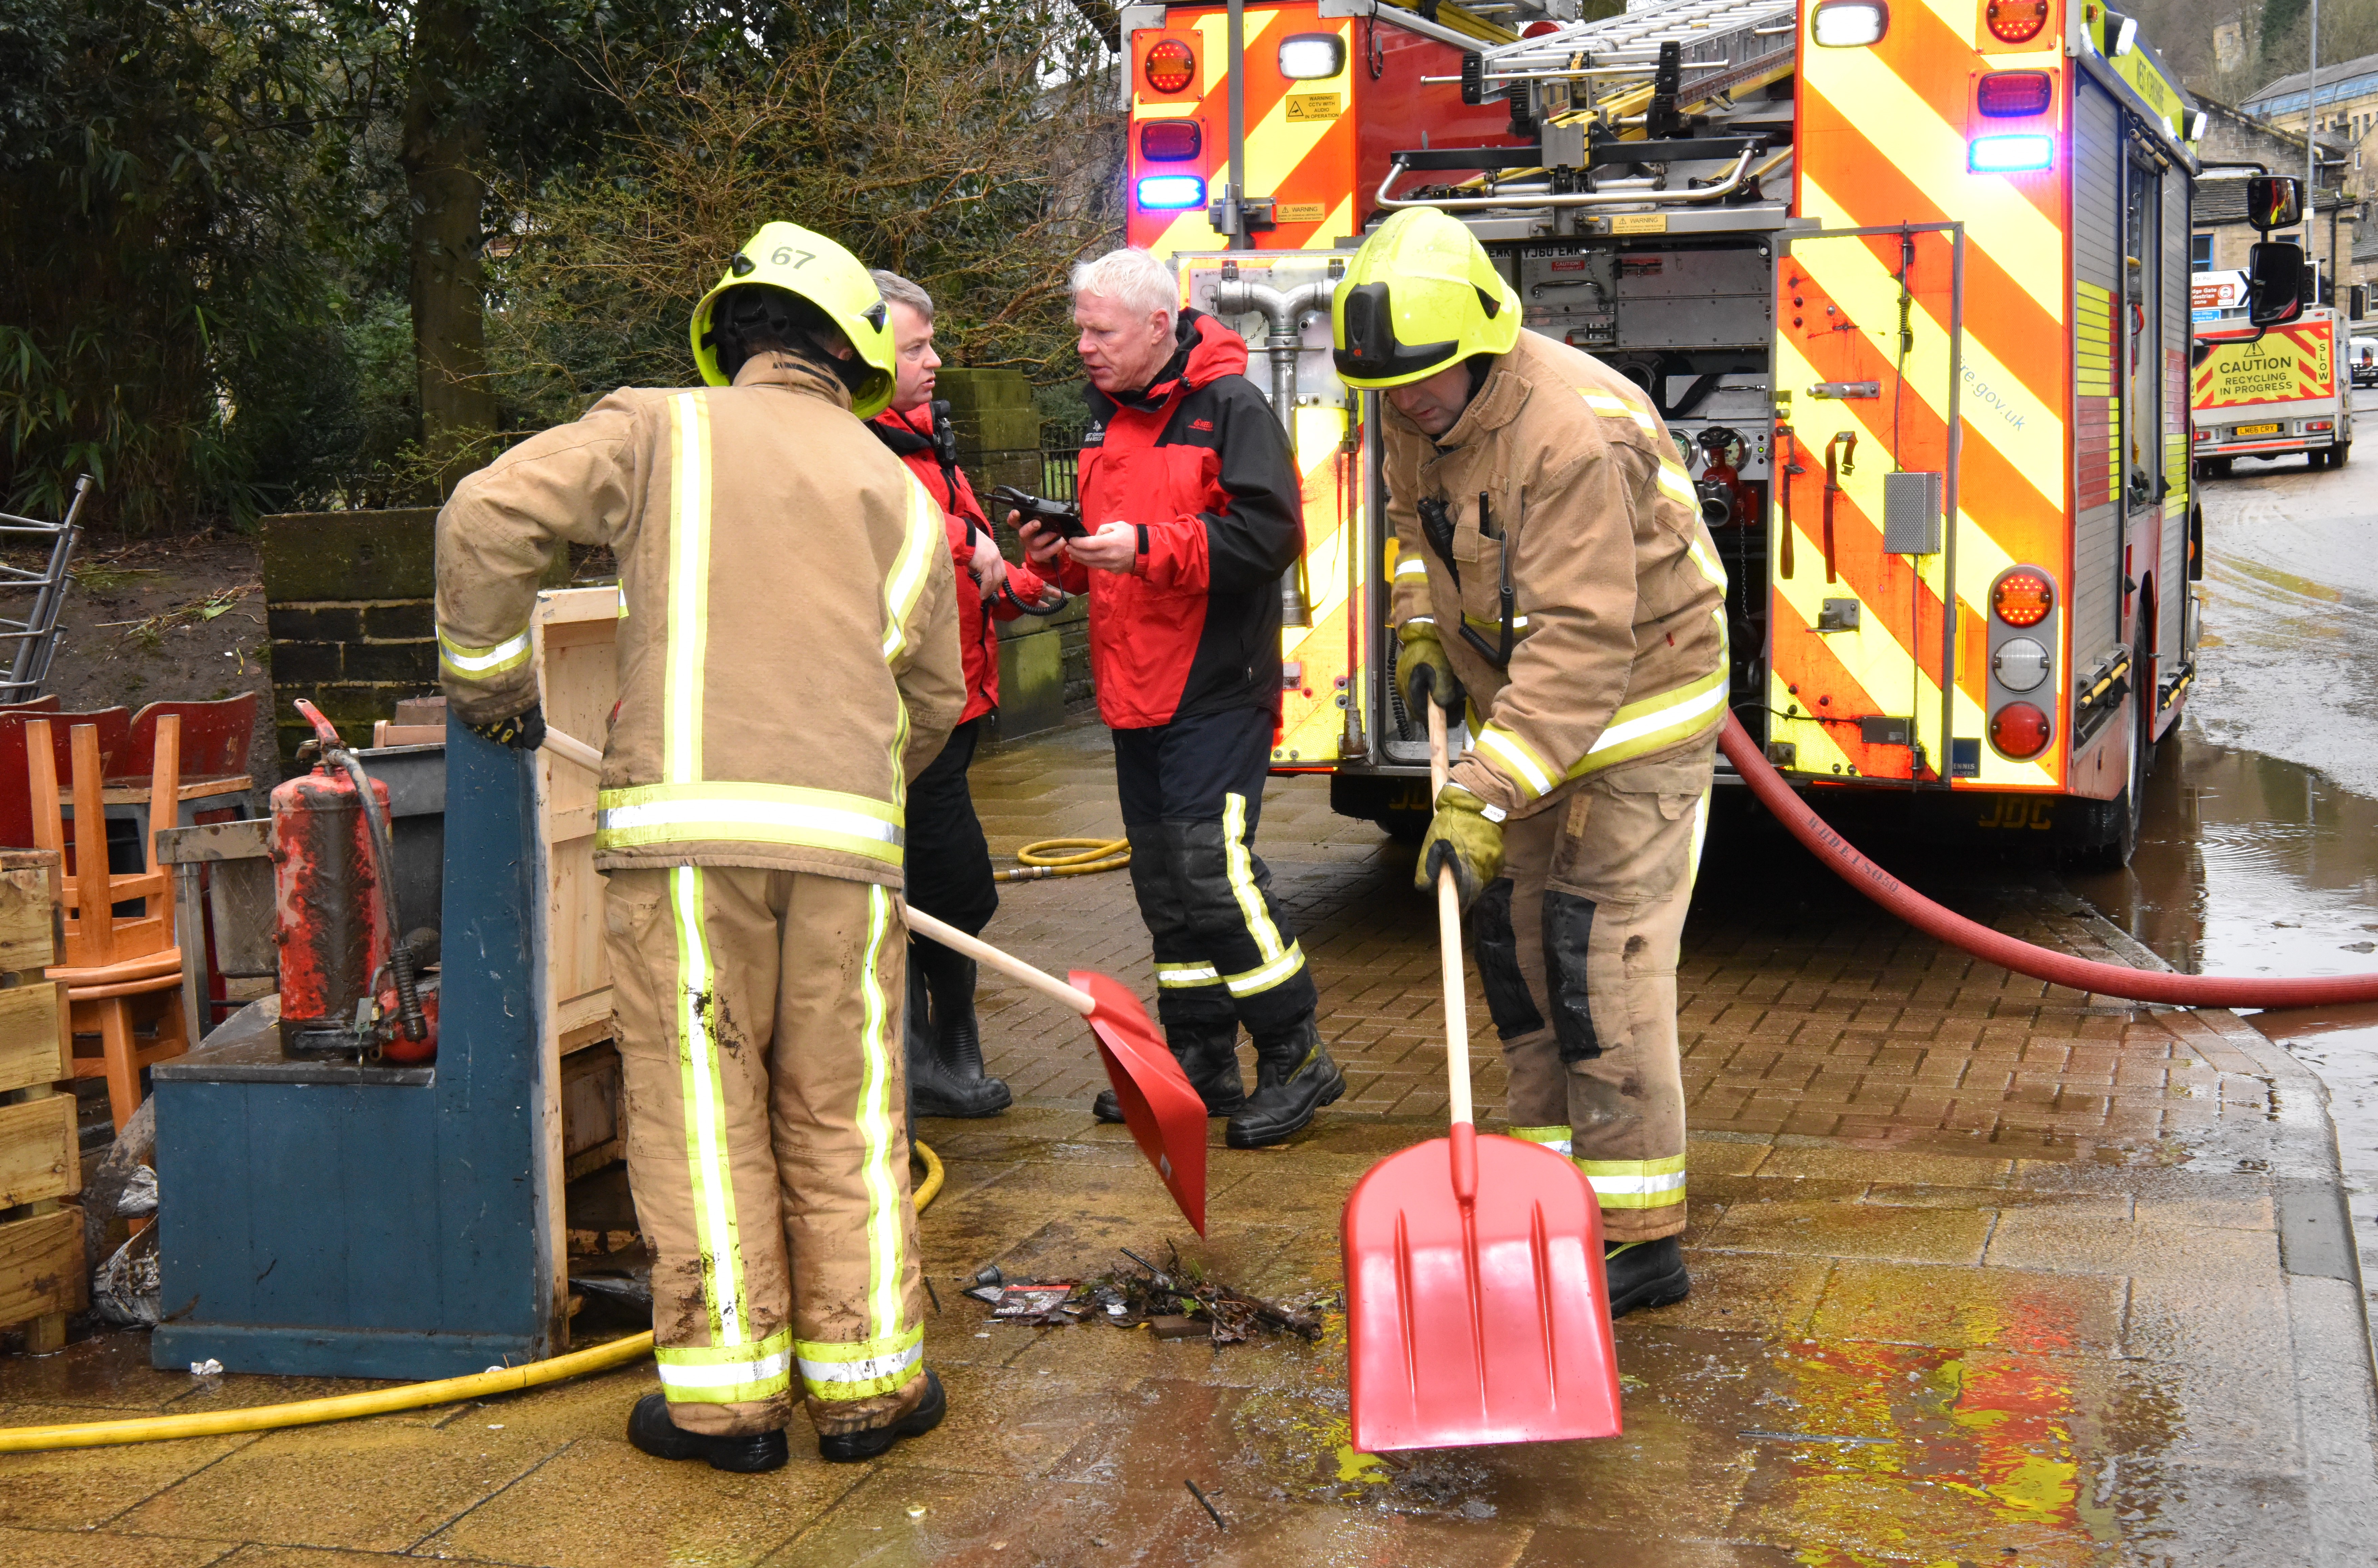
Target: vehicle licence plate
{"type": "Point", "coordinates": [2256, 430]}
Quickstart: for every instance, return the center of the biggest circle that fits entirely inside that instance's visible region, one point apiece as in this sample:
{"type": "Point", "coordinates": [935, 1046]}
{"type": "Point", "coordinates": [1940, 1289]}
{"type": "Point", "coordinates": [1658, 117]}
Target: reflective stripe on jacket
{"type": "Point", "coordinates": [1619, 598]}
{"type": "Point", "coordinates": [787, 653]}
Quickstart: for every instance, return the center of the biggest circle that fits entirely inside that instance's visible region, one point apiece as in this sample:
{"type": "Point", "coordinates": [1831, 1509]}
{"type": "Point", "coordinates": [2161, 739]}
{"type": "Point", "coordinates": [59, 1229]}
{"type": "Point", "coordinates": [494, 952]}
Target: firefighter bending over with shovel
{"type": "Point", "coordinates": [1551, 567]}
{"type": "Point", "coordinates": [751, 823]}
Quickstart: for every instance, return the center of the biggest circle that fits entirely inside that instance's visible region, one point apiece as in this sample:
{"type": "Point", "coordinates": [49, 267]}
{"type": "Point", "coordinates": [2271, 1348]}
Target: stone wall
{"type": "Point", "coordinates": [349, 605]}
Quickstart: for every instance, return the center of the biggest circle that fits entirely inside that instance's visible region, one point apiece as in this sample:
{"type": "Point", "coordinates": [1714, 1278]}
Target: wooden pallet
{"type": "Point", "coordinates": [43, 1275]}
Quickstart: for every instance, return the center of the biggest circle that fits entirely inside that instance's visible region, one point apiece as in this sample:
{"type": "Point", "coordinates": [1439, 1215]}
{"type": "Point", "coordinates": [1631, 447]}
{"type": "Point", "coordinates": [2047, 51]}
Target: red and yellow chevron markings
{"type": "Point", "coordinates": [1882, 142]}
{"type": "Point", "coordinates": [1312, 721]}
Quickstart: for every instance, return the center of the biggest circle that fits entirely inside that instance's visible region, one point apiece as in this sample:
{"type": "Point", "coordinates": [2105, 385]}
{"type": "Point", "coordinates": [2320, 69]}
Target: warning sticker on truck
{"type": "Point", "coordinates": [2287, 364]}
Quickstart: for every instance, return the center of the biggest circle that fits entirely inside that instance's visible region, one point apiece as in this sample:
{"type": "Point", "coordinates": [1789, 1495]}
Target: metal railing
{"type": "Point", "coordinates": [35, 636]}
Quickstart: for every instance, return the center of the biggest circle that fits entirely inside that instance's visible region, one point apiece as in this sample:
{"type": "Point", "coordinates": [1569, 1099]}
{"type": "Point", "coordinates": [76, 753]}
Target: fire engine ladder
{"type": "Point", "coordinates": [1630, 77]}
{"type": "Point", "coordinates": [36, 636]}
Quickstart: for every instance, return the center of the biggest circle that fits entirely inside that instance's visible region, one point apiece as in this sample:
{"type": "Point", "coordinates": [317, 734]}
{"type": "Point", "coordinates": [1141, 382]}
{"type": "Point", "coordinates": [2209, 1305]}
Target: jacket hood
{"type": "Point", "coordinates": [1204, 350]}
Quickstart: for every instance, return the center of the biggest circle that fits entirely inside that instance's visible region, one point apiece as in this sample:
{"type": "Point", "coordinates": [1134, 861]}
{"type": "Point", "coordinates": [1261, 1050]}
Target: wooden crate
{"type": "Point", "coordinates": [43, 1275]}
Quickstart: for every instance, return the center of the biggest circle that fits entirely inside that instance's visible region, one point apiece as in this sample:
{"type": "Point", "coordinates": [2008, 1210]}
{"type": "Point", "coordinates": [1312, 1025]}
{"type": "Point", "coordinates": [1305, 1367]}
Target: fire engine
{"type": "Point", "coordinates": [1908, 284]}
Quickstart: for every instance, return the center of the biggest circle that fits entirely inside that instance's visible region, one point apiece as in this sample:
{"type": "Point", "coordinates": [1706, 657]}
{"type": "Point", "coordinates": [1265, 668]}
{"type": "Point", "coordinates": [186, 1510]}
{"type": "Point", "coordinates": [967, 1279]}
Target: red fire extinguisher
{"type": "Point", "coordinates": [1726, 449]}
{"type": "Point", "coordinates": [344, 973]}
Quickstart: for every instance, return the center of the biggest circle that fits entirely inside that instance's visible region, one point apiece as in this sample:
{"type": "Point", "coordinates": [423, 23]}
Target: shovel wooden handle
{"type": "Point", "coordinates": [570, 748]}
{"type": "Point", "coordinates": [1449, 941]}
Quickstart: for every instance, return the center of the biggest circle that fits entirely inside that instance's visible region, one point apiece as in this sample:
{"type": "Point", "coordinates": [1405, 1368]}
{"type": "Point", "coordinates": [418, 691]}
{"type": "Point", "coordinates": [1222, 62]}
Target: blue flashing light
{"type": "Point", "coordinates": [1172, 192]}
{"type": "Point", "coordinates": [2009, 154]}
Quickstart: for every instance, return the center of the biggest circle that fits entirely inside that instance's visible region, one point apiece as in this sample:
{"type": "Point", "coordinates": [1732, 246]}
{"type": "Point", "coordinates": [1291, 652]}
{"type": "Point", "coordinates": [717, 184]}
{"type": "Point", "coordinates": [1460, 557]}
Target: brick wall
{"type": "Point", "coordinates": [349, 605]}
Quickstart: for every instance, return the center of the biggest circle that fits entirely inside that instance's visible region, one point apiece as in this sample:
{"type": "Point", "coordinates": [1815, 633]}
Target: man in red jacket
{"type": "Point", "coordinates": [1195, 506]}
{"type": "Point", "coordinates": [949, 864]}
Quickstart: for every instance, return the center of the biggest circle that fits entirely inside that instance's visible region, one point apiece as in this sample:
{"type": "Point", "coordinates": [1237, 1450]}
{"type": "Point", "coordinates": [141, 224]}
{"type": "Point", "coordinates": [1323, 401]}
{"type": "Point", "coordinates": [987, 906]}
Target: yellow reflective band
{"type": "Point", "coordinates": [1254, 981]}
{"type": "Point", "coordinates": [1603, 402]}
{"type": "Point", "coordinates": [731, 1375]}
{"type": "Point", "coordinates": [1636, 1184]}
{"type": "Point", "coordinates": [862, 1370]}
{"type": "Point", "coordinates": [1494, 623]}
{"type": "Point", "coordinates": [716, 1239]}
{"type": "Point", "coordinates": [1557, 1138]}
{"type": "Point", "coordinates": [884, 1208]}
{"type": "Point", "coordinates": [480, 664]}
{"type": "Point", "coordinates": [689, 594]}
{"type": "Point", "coordinates": [747, 813]}
{"type": "Point", "coordinates": [1700, 832]}
{"type": "Point", "coordinates": [911, 567]}
{"type": "Point", "coordinates": [623, 600]}
{"type": "Point", "coordinates": [1187, 975]}
{"type": "Point", "coordinates": [1710, 568]}
{"type": "Point", "coordinates": [1641, 728]}
{"type": "Point", "coordinates": [1238, 866]}
{"type": "Point", "coordinates": [1410, 566]}
{"type": "Point", "coordinates": [1679, 484]}
{"type": "Point", "coordinates": [1533, 778]}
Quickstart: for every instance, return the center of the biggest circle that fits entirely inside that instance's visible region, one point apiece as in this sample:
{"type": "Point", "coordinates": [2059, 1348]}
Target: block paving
{"type": "Point", "coordinates": [1984, 1271]}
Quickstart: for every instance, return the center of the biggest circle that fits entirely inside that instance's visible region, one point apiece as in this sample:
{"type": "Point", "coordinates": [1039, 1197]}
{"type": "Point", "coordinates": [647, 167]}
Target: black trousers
{"type": "Point", "coordinates": [948, 859]}
{"type": "Point", "coordinates": [1192, 792]}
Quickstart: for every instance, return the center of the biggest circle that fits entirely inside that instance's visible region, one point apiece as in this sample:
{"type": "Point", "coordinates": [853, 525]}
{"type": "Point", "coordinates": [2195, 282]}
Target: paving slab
{"type": "Point", "coordinates": [1984, 1271]}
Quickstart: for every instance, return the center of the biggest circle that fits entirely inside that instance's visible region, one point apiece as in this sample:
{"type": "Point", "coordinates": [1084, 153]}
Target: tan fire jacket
{"type": "Point", "coordinates": [787, 650]}
{"type": "Point", "coordinates": [1619, 618]}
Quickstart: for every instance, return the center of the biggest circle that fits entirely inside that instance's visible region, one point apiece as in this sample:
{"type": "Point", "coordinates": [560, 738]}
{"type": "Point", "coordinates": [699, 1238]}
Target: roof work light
{"type": "Point", "coordinates": [1172, 192]}
{"type": "Point", "coordinates": [1848, 24]}
{"type": "Point", "coordinates": [2009, 154]}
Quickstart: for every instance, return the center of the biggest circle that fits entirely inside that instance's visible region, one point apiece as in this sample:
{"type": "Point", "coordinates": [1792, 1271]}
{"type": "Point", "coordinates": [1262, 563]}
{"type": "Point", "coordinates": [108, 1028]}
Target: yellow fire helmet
{"type": "Point", "coordinates": [1419, 295]}
{"type": "Point", "coordinates": [813, 267]}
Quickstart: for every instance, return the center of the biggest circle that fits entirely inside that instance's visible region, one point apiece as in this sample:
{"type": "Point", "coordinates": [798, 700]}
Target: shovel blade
{"type": "Point", "coordinates": [1166, 1116]}
{"type": "Point", "coordinates": [1477, 1325]}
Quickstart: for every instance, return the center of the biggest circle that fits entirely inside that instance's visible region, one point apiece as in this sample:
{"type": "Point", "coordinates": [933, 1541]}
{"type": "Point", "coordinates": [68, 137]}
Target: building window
{"type": "Point", "coordinates": [2199, 253]}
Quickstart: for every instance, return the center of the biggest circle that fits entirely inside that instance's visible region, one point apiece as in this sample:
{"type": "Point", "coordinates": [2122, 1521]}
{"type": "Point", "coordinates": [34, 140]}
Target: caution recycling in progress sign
{"type": "Point", "coordinates": [2285, 364]}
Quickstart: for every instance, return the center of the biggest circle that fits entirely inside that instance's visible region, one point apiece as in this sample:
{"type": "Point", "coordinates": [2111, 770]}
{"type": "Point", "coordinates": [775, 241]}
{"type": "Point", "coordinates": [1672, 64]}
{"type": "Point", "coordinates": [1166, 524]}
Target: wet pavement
{"type": "Point", "coordinates": [1984, 1271]}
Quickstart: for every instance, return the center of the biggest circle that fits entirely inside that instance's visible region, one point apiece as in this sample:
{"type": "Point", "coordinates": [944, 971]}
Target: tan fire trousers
{"type": "Point", "coordinates": [760, 1035]}
{"type": "Point", "coordinates": [1576, 944]}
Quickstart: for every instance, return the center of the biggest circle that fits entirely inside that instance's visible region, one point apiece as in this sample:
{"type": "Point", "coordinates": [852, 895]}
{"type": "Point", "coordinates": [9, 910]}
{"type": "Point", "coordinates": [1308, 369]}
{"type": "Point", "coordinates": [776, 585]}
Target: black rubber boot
{"type": "Point", "coordinates": [1644, 1274]}
{"type": "Point", "coordinates": [1294, 1077]}
{"type": "Point", "coordinates": [650, 1429]}
{"type": "Point", "coordinates": [1209, 1054]}
{"type": "Point", "coordinates": [868, 1443]}
{"type": "Point", "coordinates": [946, 1076]}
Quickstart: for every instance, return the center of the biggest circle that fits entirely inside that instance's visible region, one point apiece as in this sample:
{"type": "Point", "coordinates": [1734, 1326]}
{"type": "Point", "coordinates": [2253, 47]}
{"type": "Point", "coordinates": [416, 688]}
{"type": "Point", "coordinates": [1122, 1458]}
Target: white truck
{"type": "Point", "coordinates": [2268, 394]}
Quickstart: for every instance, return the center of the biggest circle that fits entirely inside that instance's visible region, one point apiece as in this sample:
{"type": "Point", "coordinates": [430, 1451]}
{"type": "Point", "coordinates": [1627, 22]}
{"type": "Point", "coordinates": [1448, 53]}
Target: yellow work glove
{"type": "Point", "coordinates": [1467, 834]}
{"type": "Point", "coordinates": [1423, 673]}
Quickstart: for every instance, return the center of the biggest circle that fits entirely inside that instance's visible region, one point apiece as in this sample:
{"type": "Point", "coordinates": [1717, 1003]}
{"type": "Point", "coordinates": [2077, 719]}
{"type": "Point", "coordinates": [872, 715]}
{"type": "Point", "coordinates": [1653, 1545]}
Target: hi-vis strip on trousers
{"type": "Point", "coordinates": [760, 1039]}
{"type": "Point", "coordinates": [1577, 946]}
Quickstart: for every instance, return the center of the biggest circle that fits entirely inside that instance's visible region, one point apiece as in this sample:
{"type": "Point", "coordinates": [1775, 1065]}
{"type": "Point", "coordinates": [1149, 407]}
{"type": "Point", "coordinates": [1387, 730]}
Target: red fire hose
{"type": "Point", "coordinates": [2062, 969]}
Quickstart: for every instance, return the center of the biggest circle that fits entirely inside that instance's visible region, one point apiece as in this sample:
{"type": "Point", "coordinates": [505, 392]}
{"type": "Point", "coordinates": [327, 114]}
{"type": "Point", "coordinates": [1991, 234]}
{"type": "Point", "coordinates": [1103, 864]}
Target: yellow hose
{"type": "Point", "coordinates": [379, 1401]}
{"type": "Point", "coordinates": [1067, 857]}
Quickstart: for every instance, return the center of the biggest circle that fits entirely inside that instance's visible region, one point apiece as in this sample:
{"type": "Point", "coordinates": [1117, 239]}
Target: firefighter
{"type": "Point", "coordinates": [1196, 510]}
{"type": "Point", "coordinates": [949, 863]}
{"type": "Point", "coordinates": [1553, 578]}
{"type": "Point", "coordinates": [750, 822]}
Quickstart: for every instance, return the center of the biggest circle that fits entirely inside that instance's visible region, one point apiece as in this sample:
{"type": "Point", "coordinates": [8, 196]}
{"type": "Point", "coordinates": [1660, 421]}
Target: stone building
{"type": "Point", "coordinates": [2221, 234]}
{"type": "Point", "coordinates": [2345, 117]}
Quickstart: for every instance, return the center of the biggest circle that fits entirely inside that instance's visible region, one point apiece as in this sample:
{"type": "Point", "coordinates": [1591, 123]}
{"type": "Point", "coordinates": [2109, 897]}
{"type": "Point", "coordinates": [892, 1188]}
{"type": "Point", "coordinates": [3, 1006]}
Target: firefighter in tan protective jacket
{"type": "Point", "coordinates": [1551, 566]}
{"type": "Point", "coordinates": [788, 661]}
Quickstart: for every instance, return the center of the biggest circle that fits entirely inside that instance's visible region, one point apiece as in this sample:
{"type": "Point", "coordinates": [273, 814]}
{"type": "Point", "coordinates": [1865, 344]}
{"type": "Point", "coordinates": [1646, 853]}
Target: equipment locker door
{"type": "Point", "coordinates": [1864, 675]}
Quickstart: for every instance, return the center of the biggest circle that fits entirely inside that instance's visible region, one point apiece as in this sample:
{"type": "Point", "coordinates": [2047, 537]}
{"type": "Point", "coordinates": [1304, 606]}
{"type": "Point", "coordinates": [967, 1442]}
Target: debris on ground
{"type": "Point", "coordinates": [1174, 1302]}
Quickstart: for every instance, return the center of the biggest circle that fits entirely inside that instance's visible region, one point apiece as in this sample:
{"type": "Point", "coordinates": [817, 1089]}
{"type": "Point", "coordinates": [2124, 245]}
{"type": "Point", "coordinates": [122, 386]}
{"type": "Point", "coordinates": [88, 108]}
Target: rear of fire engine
{"type": "Point", "coordinates": [1907, 283]}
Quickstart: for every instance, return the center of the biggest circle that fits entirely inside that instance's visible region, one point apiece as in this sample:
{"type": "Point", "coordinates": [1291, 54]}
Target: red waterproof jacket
{"type": "Point", "coordinates": [921, 437]}
{"type": "Point", "coordinates": [1200, 464]}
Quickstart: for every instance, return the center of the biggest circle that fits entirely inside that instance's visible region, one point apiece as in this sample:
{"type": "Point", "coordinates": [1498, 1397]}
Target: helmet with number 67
{"type": "Point", "coordinates": [822, 280]}
{"type": "Point", "coordinates": [1421, 295]}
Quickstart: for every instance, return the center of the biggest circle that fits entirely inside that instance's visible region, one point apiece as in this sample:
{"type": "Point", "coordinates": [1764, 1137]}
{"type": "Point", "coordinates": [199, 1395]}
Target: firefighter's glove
{"type": "Point", "coordinates": [1423, 673]}
{"type": "Point", "coordinates": [1466, 834]}
{"type": "Point", "coordinates": [522, 732]}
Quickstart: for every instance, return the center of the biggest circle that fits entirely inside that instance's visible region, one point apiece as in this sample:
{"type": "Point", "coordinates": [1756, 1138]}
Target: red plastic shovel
{"type": "Point", "coordinates": [1166, 1117]}
{"type": "Point", "coordinates": [1476, 1307]}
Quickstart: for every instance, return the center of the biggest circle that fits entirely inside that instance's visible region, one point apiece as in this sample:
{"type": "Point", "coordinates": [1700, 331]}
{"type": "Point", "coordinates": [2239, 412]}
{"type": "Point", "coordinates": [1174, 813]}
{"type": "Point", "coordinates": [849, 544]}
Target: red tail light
{"type": "Point", "coordinates": [2006, 95]}
{"type": "Point", "coordinates": [1169, 141]}
{"type": "Point", "coordinates": [1170, 67]}
{"type": "Point", "coordinates": [2020, 731]}
{"type": "Point", "coordinates": [2016, 21]}
{"type": "Point", "coordinates": [2023, 598]}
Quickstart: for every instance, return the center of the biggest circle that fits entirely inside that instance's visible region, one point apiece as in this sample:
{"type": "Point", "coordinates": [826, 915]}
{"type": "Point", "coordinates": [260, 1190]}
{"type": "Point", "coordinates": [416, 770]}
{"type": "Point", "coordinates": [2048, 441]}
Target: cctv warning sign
{"type": "Point", "coordinates": [2286, 364]}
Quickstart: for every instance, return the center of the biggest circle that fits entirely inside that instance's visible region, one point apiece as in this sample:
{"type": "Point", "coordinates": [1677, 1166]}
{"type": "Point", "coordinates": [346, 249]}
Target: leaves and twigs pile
{"type": "Point", "coordinates": [1144, 1294]}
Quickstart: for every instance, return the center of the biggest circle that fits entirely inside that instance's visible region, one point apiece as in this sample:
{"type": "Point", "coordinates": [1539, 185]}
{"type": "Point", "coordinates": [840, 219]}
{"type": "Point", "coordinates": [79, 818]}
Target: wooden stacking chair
{"type": "Point", "coordinates": [121, 975]}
